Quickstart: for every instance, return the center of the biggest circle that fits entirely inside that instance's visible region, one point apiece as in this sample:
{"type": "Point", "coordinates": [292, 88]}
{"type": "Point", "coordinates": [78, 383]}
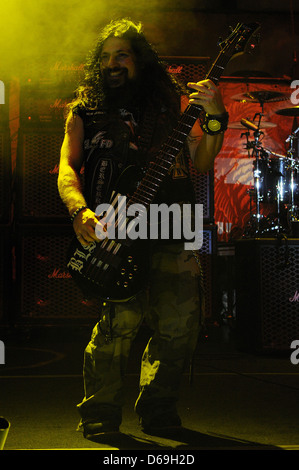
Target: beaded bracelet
{"type": "Point", "coordinates": [77, 212]}
{"type": "Point", "coordinates": [215, 124]}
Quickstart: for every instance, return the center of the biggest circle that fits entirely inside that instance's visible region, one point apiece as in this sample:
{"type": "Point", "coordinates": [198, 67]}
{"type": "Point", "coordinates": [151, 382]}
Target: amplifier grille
{"type": "Point", "coordinates": [38, 163]}
{"type": "Point", "coordinates": [279, 284]}
{"type": "Point", "coordinates": [46, 287]}
{"type": "Point", "coordinates": [267, 293]}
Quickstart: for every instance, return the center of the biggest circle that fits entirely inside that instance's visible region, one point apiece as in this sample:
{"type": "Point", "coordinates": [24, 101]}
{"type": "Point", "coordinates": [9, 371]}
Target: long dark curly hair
{"type": "Point", "coordinates": [159, 88]}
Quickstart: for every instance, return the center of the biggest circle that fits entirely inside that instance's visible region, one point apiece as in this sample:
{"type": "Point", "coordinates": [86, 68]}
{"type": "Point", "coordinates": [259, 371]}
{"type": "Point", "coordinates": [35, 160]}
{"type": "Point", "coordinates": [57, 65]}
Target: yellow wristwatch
{"type": "Point", "coordinates": [215, 124]}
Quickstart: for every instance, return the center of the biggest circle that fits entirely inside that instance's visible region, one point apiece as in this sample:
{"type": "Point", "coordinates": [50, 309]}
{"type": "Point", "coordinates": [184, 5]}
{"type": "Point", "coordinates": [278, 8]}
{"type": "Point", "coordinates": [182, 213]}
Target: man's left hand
{"type": "Point", "coordinates": [208, 96]}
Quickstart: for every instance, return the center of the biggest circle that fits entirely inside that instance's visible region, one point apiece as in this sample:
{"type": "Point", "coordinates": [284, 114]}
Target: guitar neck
{"type": "Point", "coordinates": [159, 169]}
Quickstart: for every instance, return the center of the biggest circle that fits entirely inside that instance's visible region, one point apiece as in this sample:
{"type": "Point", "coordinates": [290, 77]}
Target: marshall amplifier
{"type": "Point", "coordinates": [46, 290]}
{"type": "Point", "coordinates": [47, 86]}
{"type": "Point", "coordinates": [45, 107]}
{"type": "Point", "coordinates": [37, 196]}
{"type": "Point", "coordinates": [267, 293]}
{"type": "Point", "coordinates": [186, 69]}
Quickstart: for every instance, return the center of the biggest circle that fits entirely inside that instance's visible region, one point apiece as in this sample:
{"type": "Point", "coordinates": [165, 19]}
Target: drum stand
{"type": "Point", "coordinates": [259, 225]}
{"type": "Point", "coordinates": [258, 153]}
{"type": "Point", "coordinates": [285, 190]}
{"type": "Point", "coordinates": [294, 167]}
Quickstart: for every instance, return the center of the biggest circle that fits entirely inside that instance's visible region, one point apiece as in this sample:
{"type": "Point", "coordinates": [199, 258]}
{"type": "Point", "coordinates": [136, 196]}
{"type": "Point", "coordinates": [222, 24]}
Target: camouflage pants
{"type": "Point", "coordinates": [171, 308]}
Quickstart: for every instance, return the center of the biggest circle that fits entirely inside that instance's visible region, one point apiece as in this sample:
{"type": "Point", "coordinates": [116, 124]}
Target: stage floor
{"type": "Point", "coordinates": [237, 400]}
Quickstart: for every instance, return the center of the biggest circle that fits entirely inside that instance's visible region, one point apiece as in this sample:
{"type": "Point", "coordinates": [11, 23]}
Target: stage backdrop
{"type": "Point", "coordinates": [233, 169]}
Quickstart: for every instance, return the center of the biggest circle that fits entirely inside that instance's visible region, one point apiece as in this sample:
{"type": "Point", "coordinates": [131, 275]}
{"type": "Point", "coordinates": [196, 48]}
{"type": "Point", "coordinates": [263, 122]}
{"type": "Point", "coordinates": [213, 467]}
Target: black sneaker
{"type": "Point", "coordinates": [92, 429]}
{"type": "Point", "coordinates": [100, 419]}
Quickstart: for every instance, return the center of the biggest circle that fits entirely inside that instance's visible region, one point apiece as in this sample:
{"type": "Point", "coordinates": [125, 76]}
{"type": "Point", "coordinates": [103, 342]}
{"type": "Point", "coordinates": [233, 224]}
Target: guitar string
{"type": "Point", "coordinates": [162, 162]}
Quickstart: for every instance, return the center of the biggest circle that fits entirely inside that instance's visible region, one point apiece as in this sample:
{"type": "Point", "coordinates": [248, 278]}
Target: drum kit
{"type": "Point", "coordinates": [275, 195]}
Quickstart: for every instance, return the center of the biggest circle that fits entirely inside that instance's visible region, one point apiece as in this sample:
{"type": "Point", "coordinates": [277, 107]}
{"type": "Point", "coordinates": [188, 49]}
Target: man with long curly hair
{"type": "Point", "coordinates": [124, 110]}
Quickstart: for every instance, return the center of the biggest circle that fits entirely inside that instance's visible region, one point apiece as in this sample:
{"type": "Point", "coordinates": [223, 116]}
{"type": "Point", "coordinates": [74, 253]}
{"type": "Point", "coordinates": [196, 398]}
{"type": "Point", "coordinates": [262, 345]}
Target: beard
{"type": "Point", "coordinates": [120, 90]}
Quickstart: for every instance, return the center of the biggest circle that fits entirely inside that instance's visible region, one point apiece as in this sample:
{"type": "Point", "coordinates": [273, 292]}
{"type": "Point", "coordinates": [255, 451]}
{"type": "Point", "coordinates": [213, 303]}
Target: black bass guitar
{"type": "Point", "coordinates": [116, 269]}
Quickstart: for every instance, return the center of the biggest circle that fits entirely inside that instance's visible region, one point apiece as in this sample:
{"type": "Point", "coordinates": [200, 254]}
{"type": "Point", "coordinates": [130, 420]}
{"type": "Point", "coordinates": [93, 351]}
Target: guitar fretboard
{"type": "Point", "coordinates": [157, 171]}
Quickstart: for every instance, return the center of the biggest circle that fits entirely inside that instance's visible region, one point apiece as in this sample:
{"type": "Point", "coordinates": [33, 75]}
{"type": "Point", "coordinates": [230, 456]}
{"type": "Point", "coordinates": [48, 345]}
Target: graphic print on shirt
{"type": "Point", "coordinates": [179, 169]}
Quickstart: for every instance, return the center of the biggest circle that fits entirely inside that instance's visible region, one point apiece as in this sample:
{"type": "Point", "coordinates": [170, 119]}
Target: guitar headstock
{"type": "Point", "coordinates": [243, 38]}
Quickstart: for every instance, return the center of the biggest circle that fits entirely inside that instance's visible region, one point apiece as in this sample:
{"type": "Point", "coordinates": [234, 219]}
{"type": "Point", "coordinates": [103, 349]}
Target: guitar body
{"type": "Point", "coordinates": [117, 280]}
{"type": "Point", "coordinates": [112, 269]}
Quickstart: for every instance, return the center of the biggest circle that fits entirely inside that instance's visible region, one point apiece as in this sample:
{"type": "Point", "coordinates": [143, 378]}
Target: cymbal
{"type": "Point", "coordinates": [294, 111]}
{"type": "Point", "coordinates": [260, 96]}
{"type": "Point", "coordinates": [263, 125]}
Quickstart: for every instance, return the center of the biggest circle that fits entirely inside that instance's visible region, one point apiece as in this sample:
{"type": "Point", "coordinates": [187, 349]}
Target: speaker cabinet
{"type": "Point", "coordinates": [37, 196]}
{"type": "Point", "coordinates": [186, 69]}
{"type": "Point", "coordinates": [46, 290]}
{"type": "Point", "coordinates": [46, 87]}
{"type": "Point", "coordinates": [267, 293]}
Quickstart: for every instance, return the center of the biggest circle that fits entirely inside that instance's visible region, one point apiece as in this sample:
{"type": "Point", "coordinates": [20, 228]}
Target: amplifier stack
{"type": "Point", "coordinates": [6, 254]}
{"type": "Point", "coordinates": [45, 292]}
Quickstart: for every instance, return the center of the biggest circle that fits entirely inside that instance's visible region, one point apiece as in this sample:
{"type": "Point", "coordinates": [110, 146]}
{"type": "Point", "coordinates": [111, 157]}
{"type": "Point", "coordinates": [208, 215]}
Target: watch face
{"type": "Point", "coordinates": [214, 125]}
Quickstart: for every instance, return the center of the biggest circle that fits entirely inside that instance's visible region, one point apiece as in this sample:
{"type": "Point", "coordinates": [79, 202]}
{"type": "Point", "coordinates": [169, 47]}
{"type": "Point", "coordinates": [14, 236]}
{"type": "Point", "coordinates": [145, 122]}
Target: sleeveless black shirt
{"type": "Point", "coordinates": [113, 140]}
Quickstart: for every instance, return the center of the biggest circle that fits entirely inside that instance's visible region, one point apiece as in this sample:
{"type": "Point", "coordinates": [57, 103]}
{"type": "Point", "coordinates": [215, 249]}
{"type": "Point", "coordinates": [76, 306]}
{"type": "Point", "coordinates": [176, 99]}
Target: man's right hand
{"type": "Point", "coordinates": [84, 226]}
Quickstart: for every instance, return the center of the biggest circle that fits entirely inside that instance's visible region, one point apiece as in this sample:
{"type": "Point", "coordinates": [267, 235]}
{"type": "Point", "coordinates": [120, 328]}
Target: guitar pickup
{"type": "Point", "coordinates": [106, 257]}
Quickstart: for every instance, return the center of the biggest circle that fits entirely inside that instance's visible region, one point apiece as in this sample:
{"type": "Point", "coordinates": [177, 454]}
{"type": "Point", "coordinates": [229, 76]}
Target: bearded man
{"type": "Point", "coordinates": [124, 111]}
